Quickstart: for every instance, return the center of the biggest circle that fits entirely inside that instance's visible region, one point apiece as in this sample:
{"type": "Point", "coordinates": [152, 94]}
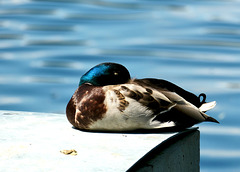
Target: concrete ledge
{"type": "Point", "coordinates": [178, 153]}
{"type": "Point", "coordinates": [33, 141]}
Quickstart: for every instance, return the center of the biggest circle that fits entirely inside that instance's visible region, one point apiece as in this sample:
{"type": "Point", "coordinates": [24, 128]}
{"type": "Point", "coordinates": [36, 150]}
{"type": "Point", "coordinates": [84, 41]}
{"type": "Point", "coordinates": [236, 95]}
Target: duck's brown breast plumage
{"type": "Point", "coordinates": [86, 106]}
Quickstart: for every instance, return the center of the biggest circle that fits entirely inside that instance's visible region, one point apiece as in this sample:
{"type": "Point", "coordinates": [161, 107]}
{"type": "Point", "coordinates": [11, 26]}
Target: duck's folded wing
{"type": "Point", "coordinates": [184, 113]}
{"type": "Point", "coordinates": [155, 101]}
{"type": "Point", "coordinates": [163, 85]}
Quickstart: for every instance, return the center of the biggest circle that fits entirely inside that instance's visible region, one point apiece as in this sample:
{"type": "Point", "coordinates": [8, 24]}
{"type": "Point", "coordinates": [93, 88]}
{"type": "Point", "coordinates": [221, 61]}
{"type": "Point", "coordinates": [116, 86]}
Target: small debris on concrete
{"type": "Point", "coordinates": [69, 152]}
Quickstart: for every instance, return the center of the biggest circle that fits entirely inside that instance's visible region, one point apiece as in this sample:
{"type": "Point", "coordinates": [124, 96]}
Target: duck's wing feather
{"type": "Point", "coordinates": [155, 101]}
{"type": "Point", "coordinates": [207, 106]}
{"type": "Point", "coordinates": [187, 109]}
{"type": "Point", "coordinates": [163, 85]}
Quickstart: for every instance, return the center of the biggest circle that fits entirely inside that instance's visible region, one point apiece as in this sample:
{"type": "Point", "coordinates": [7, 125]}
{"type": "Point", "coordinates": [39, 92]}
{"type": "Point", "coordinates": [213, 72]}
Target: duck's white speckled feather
{"type": "Point", "coordinates": [134, 116]}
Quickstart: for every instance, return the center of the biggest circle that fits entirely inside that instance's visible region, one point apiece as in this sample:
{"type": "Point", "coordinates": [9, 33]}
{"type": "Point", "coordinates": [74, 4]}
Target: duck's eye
{"type": "Point", "coordinates": [115, 73]}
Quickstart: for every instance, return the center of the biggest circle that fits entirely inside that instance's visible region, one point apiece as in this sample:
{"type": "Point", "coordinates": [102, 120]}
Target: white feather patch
{"type": "Point", "coordinates": [157, 124]}
{"type": "Point", "coordinates": [207, 106]}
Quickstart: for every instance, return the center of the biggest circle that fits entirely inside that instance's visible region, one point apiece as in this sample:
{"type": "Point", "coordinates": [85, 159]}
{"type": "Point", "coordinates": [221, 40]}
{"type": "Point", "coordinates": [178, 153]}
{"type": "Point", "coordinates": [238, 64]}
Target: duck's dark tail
{"type": "Point", "coordinates": [211, 119]}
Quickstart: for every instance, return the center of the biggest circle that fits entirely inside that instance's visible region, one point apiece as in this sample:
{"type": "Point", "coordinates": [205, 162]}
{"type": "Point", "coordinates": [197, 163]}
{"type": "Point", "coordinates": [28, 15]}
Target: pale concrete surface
{"type": "Point", "coordinates": [33, 141]}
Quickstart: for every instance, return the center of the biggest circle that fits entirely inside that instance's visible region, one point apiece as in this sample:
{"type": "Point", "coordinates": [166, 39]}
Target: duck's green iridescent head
{"type": "Point", "coordinates": [106, 74]}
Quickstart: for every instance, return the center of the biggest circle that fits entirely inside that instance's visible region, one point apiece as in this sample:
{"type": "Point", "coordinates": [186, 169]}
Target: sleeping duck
{"type": "Point", "coordinates": [107, 99]}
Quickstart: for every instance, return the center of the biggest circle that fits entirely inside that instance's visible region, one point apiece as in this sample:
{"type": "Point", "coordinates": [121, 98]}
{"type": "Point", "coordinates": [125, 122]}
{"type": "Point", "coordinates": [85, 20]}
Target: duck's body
{"type": "Point", "coordinates": [131, 104]}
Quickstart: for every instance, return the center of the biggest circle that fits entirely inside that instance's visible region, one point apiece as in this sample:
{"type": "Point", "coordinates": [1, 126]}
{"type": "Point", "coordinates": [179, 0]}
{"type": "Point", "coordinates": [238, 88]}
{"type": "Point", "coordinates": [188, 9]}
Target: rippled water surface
{"type": "Point", "coordinates": [46, 45]}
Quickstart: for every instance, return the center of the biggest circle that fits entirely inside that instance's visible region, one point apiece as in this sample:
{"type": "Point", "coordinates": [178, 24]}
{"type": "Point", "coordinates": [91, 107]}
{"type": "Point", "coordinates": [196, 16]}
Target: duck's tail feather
{"type": "Point", "coordinates": [211, 119]}
{"type": "Point", "coordinates": [207, 106]}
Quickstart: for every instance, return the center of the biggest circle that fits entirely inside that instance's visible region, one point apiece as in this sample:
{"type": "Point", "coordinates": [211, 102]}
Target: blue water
{"type": "Point", "coordinates": [46, 45]}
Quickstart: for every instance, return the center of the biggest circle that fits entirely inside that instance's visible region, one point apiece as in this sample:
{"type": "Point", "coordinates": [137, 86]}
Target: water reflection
{"type": "Point", "coordinates": [10, 36]}
{"type": "Point", "coordinates": [221, 153]}
{"type": "Point", "coordinates": [224, 130]}
{"type": "Point", "coordinates": [31, 79]}
{"type": "Point", "coordinates": [27, 11]}
{"type": "Point", "coordinates": [58, 64]}
{"type": "Point", "coordinates": [5, 100]}
{"type": "Point", "coordinates": [49, 28]}
{"type": "Point", "coordinates": [56, 42]}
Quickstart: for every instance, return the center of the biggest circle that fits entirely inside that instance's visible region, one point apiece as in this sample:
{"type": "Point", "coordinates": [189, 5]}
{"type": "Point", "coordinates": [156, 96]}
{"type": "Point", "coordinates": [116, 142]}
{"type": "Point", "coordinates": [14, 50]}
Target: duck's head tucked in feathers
{"type": "Point", "coordinates": [106, 74]}
{"type": "Point", "coordinates": [107, 99]}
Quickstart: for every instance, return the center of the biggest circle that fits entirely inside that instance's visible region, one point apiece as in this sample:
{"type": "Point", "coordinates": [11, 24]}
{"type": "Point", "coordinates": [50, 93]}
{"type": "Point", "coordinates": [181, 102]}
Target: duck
{"type": "Point", "coordinates": [108, 99]}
